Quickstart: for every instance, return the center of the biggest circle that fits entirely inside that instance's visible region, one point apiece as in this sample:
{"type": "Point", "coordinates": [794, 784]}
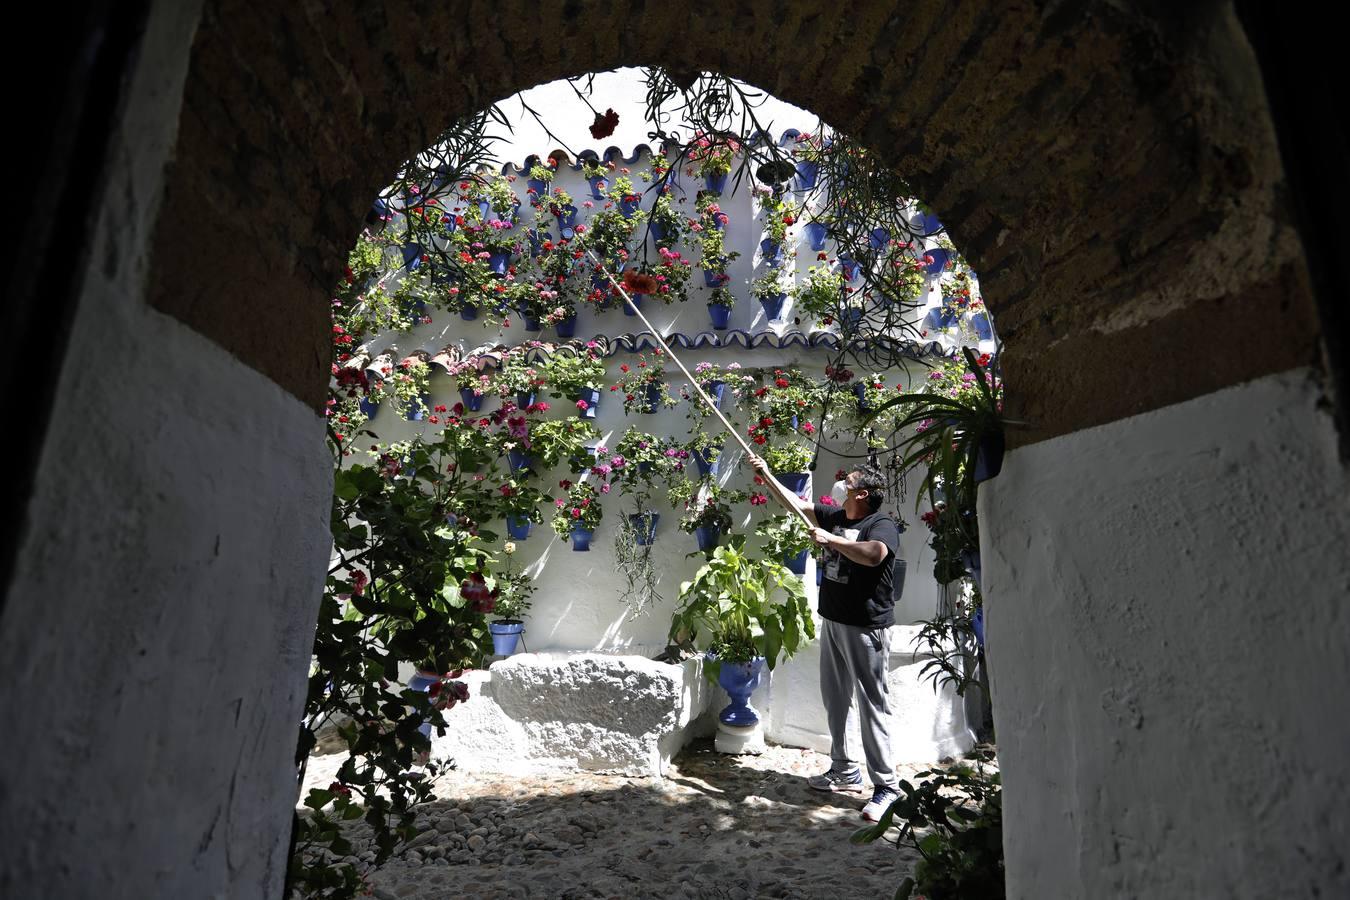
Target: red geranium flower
{"type": "Point", "coordinates": [604, 126]}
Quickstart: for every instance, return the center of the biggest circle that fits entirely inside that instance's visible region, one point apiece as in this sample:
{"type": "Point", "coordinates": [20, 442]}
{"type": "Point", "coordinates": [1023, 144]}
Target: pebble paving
{"type": "Point", "coordinates": [717, 826]}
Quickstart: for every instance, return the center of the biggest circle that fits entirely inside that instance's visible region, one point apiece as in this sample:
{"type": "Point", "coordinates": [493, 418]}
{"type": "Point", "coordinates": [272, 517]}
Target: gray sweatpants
{"type": "Point", "coordinates": [853, 661]}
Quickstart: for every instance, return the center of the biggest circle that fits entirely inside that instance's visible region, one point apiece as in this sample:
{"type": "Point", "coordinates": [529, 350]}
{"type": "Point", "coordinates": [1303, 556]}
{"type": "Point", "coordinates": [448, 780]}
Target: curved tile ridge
{"type": "Point", "coordinates": [614, 153]}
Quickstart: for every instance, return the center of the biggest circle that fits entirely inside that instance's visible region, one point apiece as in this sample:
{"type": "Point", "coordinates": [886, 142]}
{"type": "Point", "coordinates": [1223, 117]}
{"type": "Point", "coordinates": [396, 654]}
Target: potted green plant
{"type": "Point", "coordinates": [668, 226]}
{"type": "Point", "coordinates": [643, 385]}
{"type": "Point", "coordinates": [730, 609]}
{"type": "Point", "coordinates": [785, 538]}
{"type": "Point", "coordinates": [577, 376]}
{"type": "Point", "coordinates": [820, 295]}
{"type": "Point", "coordinates": [512, 591]}
{"type": "Point", "coordinates": [705, 509]}
{"type": "Point", "coordinates": [768, 290]}
{"type": "Point", "coordinates": [578, 514]}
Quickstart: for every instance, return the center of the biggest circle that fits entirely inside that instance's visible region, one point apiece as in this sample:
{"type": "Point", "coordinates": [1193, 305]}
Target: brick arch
{"type": "Point", "coordinates": [1117, 186]}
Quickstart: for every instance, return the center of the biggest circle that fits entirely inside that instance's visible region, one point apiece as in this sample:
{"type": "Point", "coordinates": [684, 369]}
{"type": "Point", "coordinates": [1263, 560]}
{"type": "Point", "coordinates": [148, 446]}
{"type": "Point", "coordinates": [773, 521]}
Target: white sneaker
{"type": "Point", "coordinates": [881, 800]}
{"type": "Point", "coordinates": [837, 781]}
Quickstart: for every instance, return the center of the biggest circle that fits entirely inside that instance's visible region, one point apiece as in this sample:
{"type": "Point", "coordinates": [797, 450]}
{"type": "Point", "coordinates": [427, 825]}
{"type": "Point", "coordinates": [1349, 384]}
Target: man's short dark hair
{"type": "Point", "coordinates": [871, 480]}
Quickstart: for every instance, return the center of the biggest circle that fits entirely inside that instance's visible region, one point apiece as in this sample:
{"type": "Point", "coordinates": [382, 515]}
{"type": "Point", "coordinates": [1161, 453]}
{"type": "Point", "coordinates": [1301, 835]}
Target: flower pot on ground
{"type": "Point", "coordinates": [739, 680]}
{"type": "Point", "coordinates": [518, 527]}
{"type": "Point", "coordinates": [505, 635]}
{"type": "Point", "coordinates": [581, 538]}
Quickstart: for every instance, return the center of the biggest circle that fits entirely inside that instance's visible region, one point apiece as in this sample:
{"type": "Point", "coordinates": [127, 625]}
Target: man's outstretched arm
{"type": "Point", "coordinates": [784, 496]}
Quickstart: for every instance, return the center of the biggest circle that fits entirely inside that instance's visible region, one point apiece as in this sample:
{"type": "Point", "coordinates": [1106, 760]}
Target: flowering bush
{"type": "Point", "coordinates": [778, 214]}
{"type": "Point", "coordinates": [518, 375]}
{"type": "Point", "coordinates": [579, 509]}
{"type": "Point", "coordinates": [786, 395]}
{"type": "Point", "coordinates": [673, 225]}
{"type": "Point", "coordinates": [553, 442]}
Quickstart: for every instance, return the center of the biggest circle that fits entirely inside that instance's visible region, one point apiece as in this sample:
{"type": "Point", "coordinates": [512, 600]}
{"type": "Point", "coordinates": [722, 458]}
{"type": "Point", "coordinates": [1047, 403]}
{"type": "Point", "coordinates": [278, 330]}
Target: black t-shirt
{"type": "Point", "coordinates": [852, 593]}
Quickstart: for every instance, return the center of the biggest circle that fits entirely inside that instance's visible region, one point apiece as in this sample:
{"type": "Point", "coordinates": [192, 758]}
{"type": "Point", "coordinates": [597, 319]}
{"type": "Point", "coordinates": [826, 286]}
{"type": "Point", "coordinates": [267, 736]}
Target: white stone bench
{"type": "Point", "coordinates": [536, 712]}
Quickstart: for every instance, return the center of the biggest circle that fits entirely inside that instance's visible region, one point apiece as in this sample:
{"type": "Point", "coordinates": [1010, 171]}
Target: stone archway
{"type": "Point", "coordinates": [1129, 151]}
{"type": "Point", "coordinates": [1134, 161]}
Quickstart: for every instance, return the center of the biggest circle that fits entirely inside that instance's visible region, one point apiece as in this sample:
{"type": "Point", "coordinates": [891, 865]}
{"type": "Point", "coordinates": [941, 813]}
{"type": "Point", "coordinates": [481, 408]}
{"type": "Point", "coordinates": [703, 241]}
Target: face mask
{"type": "Point", "coordinates": [839, 492]}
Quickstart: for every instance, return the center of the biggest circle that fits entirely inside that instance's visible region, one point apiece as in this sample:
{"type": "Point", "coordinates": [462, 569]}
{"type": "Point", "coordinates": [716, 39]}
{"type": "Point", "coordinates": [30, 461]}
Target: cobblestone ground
{"type": "Point", "coordinates": [716, 826]}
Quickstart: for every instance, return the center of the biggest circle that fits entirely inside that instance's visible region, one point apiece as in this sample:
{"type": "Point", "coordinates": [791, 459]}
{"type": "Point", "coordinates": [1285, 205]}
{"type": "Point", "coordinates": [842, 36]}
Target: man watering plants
{"type": "Point", "coordinates": [859, 543]}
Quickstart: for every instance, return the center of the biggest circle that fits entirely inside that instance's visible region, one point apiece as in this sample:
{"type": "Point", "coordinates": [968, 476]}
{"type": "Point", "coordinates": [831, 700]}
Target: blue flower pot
{"type": "Point", "coordinates": [379, 210]}
{"type": "Point", "coordinates": [630, 309]}
{"type": "Point", "coordinates": [706, 466]}
{"type": "Point", "coordinates": [939, 263]}
{"type": "Point", "coordinates": [716, 183]}
{"type": "Point", "coordinates": [518, 527]}
{"type": "Point", "coordinates": [971, 560]}
{"type": "Point", "coordinates": [707, 537]}
{"type": "Point", "coordinates": [472, 402]}
{"type": "Point", "coordinates": [716, 390]}
{"type": "Point", "coordinates": [519, 460]}
{"type": "Point", "coordinates": [773, 306]}
{"type": "Point", "coordinates": [927, 224]}
{"type": "Point", "coordinates": [629, 208]}
{"type": "Point", "coordinates": [412, 256]}
{"type": "Point", "coordinates": [539, 186]}
{"type": "Point", "coordinates": [505, 636]}
{"type": "Point", "coordinates": [417, 413]}
{"type": "Point", "coordinates": [714, 277]}
{"type": "Point", "coordinates": [977, 625]}
{"type": "Point", "coordinates": [369, 409]}
{"type": "Point", "coordinates": [651, 403]}
{"type": "Point", "coordinates": [532, 325]}
{"type": "Point", "coordinates": [717, 223]}
{"type": "Point", "coordinates": [771, 250]}
{"type": "Point", "coordinates": [525, 399]}
{"type": "Point", "coordinates": [597, 187]}
{"type": "Point", "coordinates": [739, 680]}
{"type": "Point", "coordinates": [939, 319]}
{"type": "Point", "coordinates": [592, 398]}
{"type": "Point", "coordinates": [980, 322]}
{"type": "Point", "coordinates": [645, 535]}
{"type": "Point", "coordinates": [658, 231]}
{"type": "Point", "coordinates": [815, 235]}
{"type": "Point", "coordinates": [794, 481]}
{"type": "Point", "coordinates": [849, 268]}
{"type": "Point", "coordinates": [497, 263]}
{"type": "Point", "coordinates": [850, 319]}
{"type": "Point", "coordinates": [879, 238]}
{"type": "Point", "coordinates": [485, 210]}
{"type": "Point", "coordinates": [820, 575]}
{"type": "Point", "coordinates": [796, 564]}
{"type": "Point", "coordinates": [567, 220]}
{"type": "Point", "coordinates": [422, 684]}
{"type": "Point", "coordinates": [567, 327]}
{"type": "Point", "coordinates": [989, 457]}
{"type": "Point", "coordinates": [581, 538]}
{"type": "Point", "coordinates": [807, 174]}
{"type": "Point", "coordinates": [721, 315]}
{"type": "Point", "coordinates": [468, 313]}
{"type": "Point", "coordinates": [860, 391]}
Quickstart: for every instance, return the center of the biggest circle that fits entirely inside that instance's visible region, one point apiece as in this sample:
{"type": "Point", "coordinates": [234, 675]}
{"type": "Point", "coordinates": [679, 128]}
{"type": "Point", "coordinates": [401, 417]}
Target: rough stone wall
{"type": "Point", "coordinates": [1111, 173]}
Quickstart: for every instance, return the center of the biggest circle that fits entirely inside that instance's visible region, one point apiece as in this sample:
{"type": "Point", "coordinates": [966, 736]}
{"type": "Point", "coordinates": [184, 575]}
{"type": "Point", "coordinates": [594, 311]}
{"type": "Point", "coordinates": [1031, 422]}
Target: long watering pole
{"type": "Point", "coordinates": [784, 496]}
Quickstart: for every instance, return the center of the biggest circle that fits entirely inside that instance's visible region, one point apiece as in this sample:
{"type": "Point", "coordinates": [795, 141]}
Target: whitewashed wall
{"type": "Point", "coordinates": [1166, 601]}
{"type": "Point", "coordinates": [156, 637]}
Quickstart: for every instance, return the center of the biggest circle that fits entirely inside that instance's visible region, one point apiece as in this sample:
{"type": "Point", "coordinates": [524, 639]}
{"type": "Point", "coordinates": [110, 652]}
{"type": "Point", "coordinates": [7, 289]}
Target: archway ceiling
{"type": "Point", "coordinates": [1117, 188]}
